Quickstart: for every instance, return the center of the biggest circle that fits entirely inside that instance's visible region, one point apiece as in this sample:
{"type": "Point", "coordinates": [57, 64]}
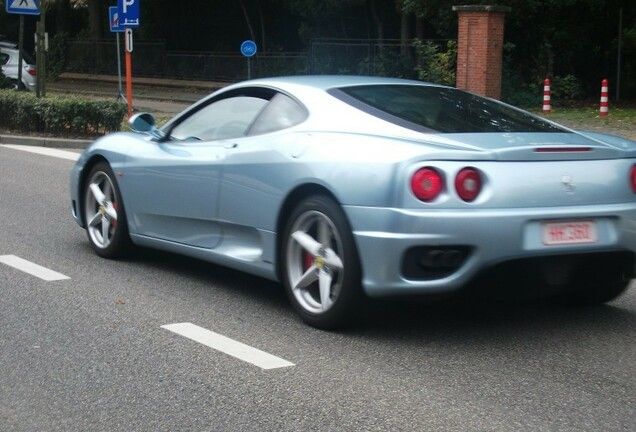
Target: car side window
{"type": "Point", "coordinates": [281, 112]}
{"type": "Point", "coordinates": [223, 119]}
{"type": "Point", "coordinates": [4, 59]}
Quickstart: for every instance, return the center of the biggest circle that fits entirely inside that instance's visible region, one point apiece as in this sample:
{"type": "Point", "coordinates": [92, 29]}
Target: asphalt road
{"type": "Point", "coordinates": [89, 353]}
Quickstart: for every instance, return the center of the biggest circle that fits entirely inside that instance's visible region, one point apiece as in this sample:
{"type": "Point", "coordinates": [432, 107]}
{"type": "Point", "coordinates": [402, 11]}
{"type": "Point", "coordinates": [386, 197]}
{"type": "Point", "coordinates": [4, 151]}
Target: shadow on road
{"type": "Point", "coordinates": [451, 319]}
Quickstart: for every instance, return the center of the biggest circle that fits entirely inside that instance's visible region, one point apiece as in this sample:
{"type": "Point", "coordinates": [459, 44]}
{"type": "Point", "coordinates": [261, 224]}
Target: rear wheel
{"type": "Point", "coordinates": [104, 213]}
{"type": "Point", "coordinates": [321, 270]}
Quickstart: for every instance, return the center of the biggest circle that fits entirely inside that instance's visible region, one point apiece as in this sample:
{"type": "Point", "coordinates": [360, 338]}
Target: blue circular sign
{"type": "Point", "coordinates": [248, 48]}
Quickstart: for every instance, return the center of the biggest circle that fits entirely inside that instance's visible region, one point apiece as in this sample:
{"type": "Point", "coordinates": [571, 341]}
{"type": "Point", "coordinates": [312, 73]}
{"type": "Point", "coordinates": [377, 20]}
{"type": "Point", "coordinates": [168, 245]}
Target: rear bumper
{"type": "Point", "coordinates": [490, 237]}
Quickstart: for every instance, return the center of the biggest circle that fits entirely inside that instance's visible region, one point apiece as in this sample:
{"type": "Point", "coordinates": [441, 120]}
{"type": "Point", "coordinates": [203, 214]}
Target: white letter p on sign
{"type": "Point", "coordinates": [126, 4]}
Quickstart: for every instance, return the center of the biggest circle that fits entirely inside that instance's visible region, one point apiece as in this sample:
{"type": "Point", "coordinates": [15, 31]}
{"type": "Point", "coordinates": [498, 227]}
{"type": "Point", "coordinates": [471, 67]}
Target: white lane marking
{"type": "Point", "coordinates": [46, 151]}
{"type": "Point", "coordinates": [228, 346]}
{"type": "Point", "coordinates": [31, 268]}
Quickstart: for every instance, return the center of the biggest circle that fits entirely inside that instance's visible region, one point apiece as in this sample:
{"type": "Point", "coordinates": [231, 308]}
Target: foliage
{"type": "Point", "coordinates": [434, 65]}
{"type": "Point", "coordinates": [567, 88]}
{"type": "Point", "coordinates": [61, 115]}
{"type": "Point", "coordinates": [4, 81]}
{"type": "Point", "coordinates": [56, 59]}
{"type": "Point", "coordinates": [553, 38]}
{"type": "Point", "coordinates": [514, 90]}
{"type": "Point", "coordinates": [390, 63]}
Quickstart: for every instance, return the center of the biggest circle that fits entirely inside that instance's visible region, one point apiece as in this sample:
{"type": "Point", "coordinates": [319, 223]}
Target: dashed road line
{"type": "Point", "coordinates": [228, 346]}
{"type": "Point", "coordinates": [32, 268]}
{"type": "Point", "coordinates": [46, 151]}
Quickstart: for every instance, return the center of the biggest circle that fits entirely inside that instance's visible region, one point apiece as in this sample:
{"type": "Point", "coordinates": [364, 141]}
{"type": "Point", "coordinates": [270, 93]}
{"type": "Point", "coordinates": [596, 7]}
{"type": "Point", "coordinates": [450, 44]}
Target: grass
{"type": "Point", "coordinates": [620, 121]}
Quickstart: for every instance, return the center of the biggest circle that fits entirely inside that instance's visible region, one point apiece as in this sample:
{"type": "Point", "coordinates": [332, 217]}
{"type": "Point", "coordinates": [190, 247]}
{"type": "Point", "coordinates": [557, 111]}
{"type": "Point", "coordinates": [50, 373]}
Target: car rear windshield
{"type": "Point", "coordinates": [28, 58]}
{"type": "Point", "coordinates": [441, 109]}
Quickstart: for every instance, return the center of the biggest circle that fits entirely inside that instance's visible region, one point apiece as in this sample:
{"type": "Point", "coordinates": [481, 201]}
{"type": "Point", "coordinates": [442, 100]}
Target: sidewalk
{"type": "Point", "coordinates": [65, 143]}
{"type": "Point", "coordinates": [157, 82]}
{"type": "Point", "coordinates": [157, 95]}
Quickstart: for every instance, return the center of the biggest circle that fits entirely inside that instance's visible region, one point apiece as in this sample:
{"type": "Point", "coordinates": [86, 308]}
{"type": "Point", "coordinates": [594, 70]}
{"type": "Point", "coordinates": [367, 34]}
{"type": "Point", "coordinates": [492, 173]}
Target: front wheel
{"type": "Point", "coordinates": [321, 269]}
{"type": "Point", "coordinates": [104, 214]}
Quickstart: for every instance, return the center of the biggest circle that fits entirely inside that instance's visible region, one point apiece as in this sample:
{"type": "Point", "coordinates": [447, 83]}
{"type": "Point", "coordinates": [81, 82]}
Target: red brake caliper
{"type": "Point", "coordinates": [308, 260]}
{"type": "Point", "coordinates": [113, 222]}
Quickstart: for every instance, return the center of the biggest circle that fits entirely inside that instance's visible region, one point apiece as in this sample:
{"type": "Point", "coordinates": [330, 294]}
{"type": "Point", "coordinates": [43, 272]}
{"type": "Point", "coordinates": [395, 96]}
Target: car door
{"type": "Point", "coordinates": [257, 170]}
{"type": "Point", "coordinates": [172, 186]}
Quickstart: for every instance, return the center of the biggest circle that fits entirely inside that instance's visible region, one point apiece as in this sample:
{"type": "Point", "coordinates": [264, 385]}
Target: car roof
{"type": "Point", "coordinates": [326, 82]}
{"type": "Point", "coordinates": [8, 50]}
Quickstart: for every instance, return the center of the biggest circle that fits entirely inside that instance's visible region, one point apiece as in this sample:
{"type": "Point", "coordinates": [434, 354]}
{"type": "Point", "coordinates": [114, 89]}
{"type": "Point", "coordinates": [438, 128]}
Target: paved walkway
{"type": "Point", "coordinates": [157, 95]}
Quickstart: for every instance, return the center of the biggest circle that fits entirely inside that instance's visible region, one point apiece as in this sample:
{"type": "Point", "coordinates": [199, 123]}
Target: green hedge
{"type": "Point", "coordinates": [23, 112]}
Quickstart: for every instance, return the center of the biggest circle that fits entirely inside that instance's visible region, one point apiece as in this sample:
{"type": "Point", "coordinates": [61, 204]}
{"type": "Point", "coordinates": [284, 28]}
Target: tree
{"type": "Point", "coordinates": [543, 37]}
{"type": "Point", "coordinates": [95, 18]}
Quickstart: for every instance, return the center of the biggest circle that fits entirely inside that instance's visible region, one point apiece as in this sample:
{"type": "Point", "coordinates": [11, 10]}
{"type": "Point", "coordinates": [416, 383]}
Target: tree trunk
{"type": "Point", "coordinates": [262, 19]}
{"type": "Point", "coordinates": [62, 16]}
{"type": "Point", "coordinates": [379, 25]}
{"type": "Point", "coordinates": [419, 28]}
{"type": "Point", "coordinates": [405, 32]}
{"type": "Point", "coordinates": [95, 19]}
{"type": "Point", "coordinates": [247, 20]}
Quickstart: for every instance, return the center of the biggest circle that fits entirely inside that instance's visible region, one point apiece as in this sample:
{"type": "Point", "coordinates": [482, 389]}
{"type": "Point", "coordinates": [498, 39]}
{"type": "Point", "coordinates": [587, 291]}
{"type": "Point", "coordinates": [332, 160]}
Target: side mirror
{"type": "Point", "coordinates": [145, 123]}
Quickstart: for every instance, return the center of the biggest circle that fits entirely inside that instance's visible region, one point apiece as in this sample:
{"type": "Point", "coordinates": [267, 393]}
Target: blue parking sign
{"type": "Point", "coordinates": [128, 13]}
{"type": "Point", "coordinates": [113, 15]}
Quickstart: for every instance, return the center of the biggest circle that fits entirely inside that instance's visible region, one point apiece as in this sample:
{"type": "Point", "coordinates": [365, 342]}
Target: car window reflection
{"type": "Point", "coordinates": [223, 119]}
{"type": "Point", "coordinates": [442, 109]}
{"type": "Point", "coordinates": [281, 112]}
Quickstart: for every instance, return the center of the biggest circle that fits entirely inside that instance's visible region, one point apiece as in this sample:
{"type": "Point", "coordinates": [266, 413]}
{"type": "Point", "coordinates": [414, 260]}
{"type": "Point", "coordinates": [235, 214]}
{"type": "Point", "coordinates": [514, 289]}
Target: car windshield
{"type": "Point", "coordinates": [441, 109]}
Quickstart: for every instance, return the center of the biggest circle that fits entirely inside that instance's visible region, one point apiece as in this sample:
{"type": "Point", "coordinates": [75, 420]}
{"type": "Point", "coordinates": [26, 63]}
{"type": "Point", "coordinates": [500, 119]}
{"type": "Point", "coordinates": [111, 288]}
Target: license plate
{"type": "Point", "coordinates": [565, 233]}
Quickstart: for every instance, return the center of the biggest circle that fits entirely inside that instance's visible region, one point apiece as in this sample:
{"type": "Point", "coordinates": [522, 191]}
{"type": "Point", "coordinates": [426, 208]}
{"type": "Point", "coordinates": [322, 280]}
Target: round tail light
{"type": "Point", "coordinates": [468, 184]}
{"type": "Point", "coordinates": [427, 184]}
{"type": "Point", "coordinates": [632, 178]}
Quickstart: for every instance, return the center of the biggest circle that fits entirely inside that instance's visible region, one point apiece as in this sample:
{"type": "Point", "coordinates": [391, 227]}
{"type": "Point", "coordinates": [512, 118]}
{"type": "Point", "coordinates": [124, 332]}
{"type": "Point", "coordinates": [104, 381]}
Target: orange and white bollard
{"type": "Point", "coordinates": [604, 110]}
{"type": "Point", "coordinates": [546, 97]}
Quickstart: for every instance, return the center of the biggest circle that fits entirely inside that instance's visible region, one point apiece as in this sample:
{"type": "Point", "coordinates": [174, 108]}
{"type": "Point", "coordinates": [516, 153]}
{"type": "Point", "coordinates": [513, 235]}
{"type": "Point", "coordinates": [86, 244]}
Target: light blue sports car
{"type": "Point", "coordinates": [344, 188]}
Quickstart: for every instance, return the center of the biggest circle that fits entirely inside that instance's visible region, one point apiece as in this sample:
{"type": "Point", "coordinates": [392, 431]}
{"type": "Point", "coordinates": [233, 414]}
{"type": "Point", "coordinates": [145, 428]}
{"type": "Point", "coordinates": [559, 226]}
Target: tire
{"type": "Point", "coordinates": [106, 224]}
{"type": "Point", "coordinates": [595, 294]}
{"type": "Point", "coordinates": [319, 254]}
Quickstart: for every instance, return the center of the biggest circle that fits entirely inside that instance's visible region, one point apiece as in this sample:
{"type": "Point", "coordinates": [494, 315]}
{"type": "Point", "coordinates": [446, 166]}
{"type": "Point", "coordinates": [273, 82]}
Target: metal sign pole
{"type": "Point", "coordinates": [38, 58]}
{"type": "Point", "coordinates": [120, 92]}
{"type": "Point", "coordinates": [128, 18]}
{"type": "Point", "coordinates": [128, 35]}
{"type": "Point", "coordinates": [41, 75]}
{"type": "Point", "coordinates": [248, 49]}
{"type": "Point", "coordinates": [31, 7]}
{"type": "Point", "coordinates": [618, 65]}
{"type": "Point", "coordinates": [20, 48]}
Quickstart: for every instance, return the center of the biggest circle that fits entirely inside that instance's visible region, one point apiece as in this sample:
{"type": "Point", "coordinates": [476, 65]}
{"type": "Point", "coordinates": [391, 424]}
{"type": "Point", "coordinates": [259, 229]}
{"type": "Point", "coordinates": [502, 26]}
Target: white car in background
{"type": "Point", "coordinates": [9, 63]}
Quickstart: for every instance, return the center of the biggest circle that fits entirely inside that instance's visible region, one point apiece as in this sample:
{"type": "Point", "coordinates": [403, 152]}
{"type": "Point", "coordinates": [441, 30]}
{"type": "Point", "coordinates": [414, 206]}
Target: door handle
{"type": "Point", "coordinates": [231, 145]}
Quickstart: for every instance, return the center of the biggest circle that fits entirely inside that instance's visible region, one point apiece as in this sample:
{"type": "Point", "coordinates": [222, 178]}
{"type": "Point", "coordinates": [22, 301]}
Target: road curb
{"type": "Point", "coordinates": [44, 141]}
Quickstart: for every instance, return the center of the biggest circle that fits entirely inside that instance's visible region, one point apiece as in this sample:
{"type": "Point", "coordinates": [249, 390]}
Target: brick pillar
{"type": "Point", "coordinates": [480, 48]}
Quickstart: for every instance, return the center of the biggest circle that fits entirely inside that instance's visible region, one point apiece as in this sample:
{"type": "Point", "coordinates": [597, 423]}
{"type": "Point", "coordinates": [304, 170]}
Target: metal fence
{"type": "Point", "coordinates": [324, 56]}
